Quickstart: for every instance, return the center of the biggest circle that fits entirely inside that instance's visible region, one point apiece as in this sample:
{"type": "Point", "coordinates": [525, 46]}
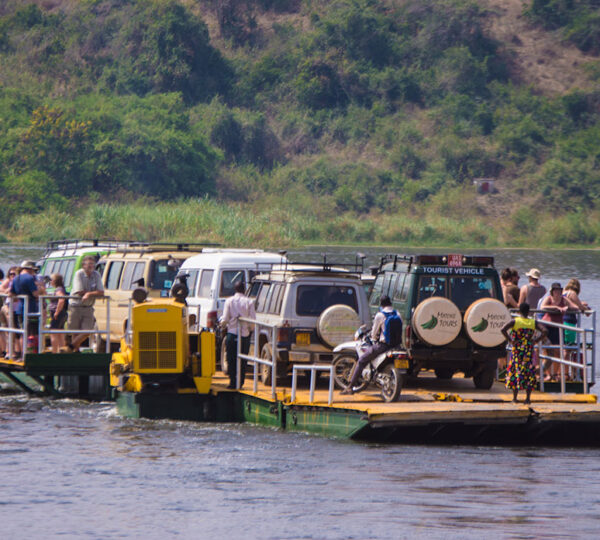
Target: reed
{"type": "Point", "coordinates": [269, 225]}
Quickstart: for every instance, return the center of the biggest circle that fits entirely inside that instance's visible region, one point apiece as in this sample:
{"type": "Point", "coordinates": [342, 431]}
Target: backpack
{"type": "Point", "coordinates": [392, 328]}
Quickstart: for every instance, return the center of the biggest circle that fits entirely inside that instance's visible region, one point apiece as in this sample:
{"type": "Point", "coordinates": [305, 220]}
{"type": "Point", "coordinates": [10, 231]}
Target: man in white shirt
{"type": "Point", "coordinates": [87, 286]}
{"type": "Point", "coordinates": [236, 306]}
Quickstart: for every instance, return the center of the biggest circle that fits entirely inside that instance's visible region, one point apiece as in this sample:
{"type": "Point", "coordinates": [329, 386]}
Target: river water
{"type": "Point", "coordinates": [71, 469]}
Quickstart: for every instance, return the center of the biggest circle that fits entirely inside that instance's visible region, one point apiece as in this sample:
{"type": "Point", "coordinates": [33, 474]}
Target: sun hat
{"type": "Point", "coordinates": [555, 285]}
{"type": "Point", "coordinates": [29, 265]}
{"type": "Point", "coordinates": [534, 273]}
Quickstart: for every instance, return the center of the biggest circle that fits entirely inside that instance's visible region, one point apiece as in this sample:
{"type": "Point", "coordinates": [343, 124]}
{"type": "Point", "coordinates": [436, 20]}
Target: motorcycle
{"type": "Point", "coordinates": [386, 370]}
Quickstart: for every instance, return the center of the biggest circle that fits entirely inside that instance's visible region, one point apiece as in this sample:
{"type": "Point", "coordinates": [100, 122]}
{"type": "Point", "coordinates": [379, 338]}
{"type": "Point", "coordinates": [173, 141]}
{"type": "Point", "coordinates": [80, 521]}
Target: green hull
{"type": "Point", "coordinates": [329, 422]}
{"type": "Point", "coordinates": [235, 407]}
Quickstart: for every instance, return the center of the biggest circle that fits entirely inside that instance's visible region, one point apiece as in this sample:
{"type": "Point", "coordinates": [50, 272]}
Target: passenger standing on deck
{"type": "Point", "coordinates": [510, 291]}
{"type": "Point", "coordinates": [555, 305]}
{"type": "Point", "coordinates": [58, 312]}
{"type": "Point", "coordinates": [520, 373]}
{"type": "Point", "coordinates": [25, 284]}
{"type": "Point", "coordinates": [5, 311]}
{"type": "Point", "coordinates": [87, 286]}
{"type": "Point", "coordinates": [236, 306]}
{"type": "Point", "coordinates": [534, 290]}
{"type": "Point", "coordinates": [572, 290]}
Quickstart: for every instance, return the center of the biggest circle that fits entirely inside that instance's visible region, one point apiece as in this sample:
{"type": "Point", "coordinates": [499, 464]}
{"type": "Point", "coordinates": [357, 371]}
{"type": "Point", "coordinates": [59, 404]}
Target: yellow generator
{"type": "Point", "coordinates": [163, 354]}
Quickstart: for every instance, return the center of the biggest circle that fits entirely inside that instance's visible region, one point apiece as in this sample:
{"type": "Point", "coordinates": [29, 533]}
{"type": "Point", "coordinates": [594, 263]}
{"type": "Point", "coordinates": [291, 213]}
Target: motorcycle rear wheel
{"type": "Point", "coordinates": [391, 387]}
{"type": "Point", "coordinates": [343, 366]}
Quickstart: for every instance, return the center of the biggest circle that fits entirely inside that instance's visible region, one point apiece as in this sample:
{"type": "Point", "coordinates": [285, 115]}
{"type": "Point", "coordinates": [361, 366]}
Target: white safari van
{"type": "Point", "coordinates": [212, 274]}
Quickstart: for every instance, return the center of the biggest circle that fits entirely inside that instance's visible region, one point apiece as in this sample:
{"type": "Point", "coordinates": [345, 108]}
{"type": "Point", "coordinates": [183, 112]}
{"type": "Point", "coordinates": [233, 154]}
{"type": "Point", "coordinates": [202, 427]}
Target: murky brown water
{"type": "Point", "coordinates": [71, 469]}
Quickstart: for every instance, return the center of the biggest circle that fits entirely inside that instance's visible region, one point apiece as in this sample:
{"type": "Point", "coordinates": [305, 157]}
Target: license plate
{"type": "Point", "coordinates": [401, 363]}
{"type": "Point", "coordinates": [302, 338]}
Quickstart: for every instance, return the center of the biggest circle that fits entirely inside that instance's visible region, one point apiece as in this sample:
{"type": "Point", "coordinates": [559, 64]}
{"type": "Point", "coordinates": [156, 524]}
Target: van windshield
{"type": "Point", "coordinates": [312, 300]}
{"type": "Point", "coordinates": [164, 272]}
{"type": "Point", "coordinates": [462, 290]}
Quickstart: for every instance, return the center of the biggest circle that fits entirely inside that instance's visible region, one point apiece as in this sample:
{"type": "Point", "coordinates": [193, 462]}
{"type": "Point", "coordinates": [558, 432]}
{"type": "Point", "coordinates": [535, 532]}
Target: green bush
{"type": "Point", "coordinates": [30, 193]}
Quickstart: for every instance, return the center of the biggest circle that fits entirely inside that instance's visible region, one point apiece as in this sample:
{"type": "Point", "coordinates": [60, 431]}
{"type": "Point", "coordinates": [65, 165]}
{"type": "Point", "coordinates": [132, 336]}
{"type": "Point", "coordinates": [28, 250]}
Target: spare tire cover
{"type": "Point", "coordinates": [437, 321]}
{"type": "Point", "coordinates": [337, 324]}
{"type": "Point", "coordinates": [484, 320]}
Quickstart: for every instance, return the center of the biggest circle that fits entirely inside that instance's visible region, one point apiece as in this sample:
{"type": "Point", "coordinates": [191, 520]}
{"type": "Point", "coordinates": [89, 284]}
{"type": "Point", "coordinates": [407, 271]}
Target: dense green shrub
{"type": "Point", "coordinates": [579, 20]}
{"type": "Point", "coordinates": [29, 193]}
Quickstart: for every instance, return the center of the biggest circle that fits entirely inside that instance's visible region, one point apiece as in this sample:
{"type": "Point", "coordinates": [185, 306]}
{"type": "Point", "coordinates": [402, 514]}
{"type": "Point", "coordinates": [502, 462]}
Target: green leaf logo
{"type": "Point", "coordinates": [480, 326]}
{"type": "Point", "coordinates": [430, 324]}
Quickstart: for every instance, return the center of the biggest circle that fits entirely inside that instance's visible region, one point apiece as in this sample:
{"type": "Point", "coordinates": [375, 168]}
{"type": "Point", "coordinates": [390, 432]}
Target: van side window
{"type": "Point", "coordinates": [276, 297]}
{"type": "Point", "coordinates": [49, 270]}
{"type": "Point", "coordinates": [205, 283]}
{"type": "Point", "coordinates": [133, 272]}
{"type": "Point", "coordinates": [388, 281]}
{"type": "Point", "coordinates": [376, 293]}
{"type": "Point", "coordinates": [100, 268]}
{"type": "Point", "coordinates": [253, 293]}
{"type": "Point", "coordinates": [191, 280]}
{"type": "Point", "coordinates": [400, 289]}
{"type": "Point", "coordinates": [229, 279]}
{"type": "Point", "coordinates": [114, 275]}
{"type": "Point", "coordinates": [68, 272]}
{"type": "Point", "coordinates": [262, 297]}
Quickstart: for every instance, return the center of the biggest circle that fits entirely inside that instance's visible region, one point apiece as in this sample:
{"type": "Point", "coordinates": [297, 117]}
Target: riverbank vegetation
{"type": "Point", "coordinates": [296, 121]}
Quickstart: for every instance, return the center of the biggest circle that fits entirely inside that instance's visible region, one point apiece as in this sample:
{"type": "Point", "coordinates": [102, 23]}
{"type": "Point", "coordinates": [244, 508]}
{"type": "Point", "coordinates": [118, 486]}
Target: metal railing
{"type": "Point", "coordinates": [313, 371]}
{"type": "Point", "coordinates": [582, 347]}
{"type": "Point", "coordinates": [12, 329]}
{"type": "Point", "coordinates": [256, 360]}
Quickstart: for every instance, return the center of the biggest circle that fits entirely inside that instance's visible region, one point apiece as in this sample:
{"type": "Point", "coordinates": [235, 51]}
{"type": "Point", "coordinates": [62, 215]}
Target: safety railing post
{"type": "Point", "coordinates": [25, 328]}
{"type": "Point", "coordinates": [541, 362]}
{"type": "Point", "coordinates": [41, 325]}
{"type": "Point", "coordinates": [294, 381]}
{"type": "Point", "coordinates": [312, 386]}
{"type": "Point", "coordinates": [255, 385]}
{"type": "Point", "coordinates": [585, 368]}
{"type": "Point", "coordinates": [11, 323]}
{"type": "Point", "coordinates": [238, 342]}
{"type": "Point", "coordinates": [593, 345]}
{"type": "Point", "coordinates": [561, 343]}
{"type": "Point", "coordinates": [273, 363]}
{"type": "Point", "coordinates": [107, 345]}
{"type": "Point", "coordinates": [331, 383]}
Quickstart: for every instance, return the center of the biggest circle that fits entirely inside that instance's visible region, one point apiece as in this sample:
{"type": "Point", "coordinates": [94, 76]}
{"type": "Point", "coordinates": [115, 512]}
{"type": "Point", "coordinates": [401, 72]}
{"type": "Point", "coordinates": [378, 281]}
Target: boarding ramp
{"type": "Point", "coordinates": [30, 358]}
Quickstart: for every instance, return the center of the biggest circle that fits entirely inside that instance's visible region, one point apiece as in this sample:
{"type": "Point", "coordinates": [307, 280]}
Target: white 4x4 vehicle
{"type": "Point", "coordinates": [314, 308]}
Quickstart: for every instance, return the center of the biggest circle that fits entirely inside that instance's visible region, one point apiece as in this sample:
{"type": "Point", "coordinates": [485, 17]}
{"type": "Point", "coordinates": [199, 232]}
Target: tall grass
{"type": "Point", "coordinates": [243, 225]}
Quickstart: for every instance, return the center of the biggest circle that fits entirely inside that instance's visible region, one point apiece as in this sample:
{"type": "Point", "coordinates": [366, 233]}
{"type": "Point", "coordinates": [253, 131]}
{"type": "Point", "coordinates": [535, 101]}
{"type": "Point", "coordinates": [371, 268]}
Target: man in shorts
{"type": "Point", "coordinates": [87, 286]}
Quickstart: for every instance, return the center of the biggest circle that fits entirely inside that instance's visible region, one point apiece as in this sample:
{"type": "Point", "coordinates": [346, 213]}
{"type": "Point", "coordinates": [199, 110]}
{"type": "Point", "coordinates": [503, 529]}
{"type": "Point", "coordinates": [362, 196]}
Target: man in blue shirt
{"type": "Point", "coordinates": [25, 285]}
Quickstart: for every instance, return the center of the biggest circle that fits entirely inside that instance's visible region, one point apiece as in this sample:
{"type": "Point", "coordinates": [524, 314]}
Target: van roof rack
{"type": "Point", "coordinates": [313, 267]}
{"type": "Point", "coordinates": [439, 260]}
{"type": "Point", "coordinates": [149, 247]}
{"type": "Point", "coordinates": [80, 243]}
{"type": "Point", "coordinates": [123, 245]}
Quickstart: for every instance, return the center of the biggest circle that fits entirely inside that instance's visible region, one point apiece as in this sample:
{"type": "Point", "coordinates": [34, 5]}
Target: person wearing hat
{"type": "Point", "coordinates": [555, 306]}
{"type": "Point", "coordinates": [534, 290]}
{"type": "Point", "coordinates": [25, 284]}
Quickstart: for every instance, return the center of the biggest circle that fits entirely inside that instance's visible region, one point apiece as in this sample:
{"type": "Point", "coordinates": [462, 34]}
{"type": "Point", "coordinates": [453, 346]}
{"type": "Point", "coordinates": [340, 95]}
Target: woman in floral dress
{"type": "Point", "coordinates": [520, 373]}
